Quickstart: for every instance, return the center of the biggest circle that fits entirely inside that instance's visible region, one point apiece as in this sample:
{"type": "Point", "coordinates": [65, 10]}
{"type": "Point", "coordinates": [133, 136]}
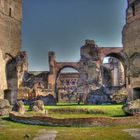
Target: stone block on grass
{"type": "Point", "coordinates": [5, 107]}
{"type": "Point", "coordinates": [132, 107]}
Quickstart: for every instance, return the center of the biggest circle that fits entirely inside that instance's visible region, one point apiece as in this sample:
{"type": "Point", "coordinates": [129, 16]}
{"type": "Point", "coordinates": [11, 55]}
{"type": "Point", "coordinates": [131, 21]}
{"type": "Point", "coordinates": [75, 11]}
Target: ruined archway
{"type": "Point", "coordinates": [120, 56]}
{"type": "Point", "coordinates": [12, 81]}
{"type": "Point", "coordinates": [117, 67]}
{"type": "Point", "coordinates": [66, 84]}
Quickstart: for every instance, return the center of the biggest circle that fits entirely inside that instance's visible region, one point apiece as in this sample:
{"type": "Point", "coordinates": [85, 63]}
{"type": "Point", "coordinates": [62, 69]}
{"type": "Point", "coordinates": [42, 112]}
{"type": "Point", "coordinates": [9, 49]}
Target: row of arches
{"type": "Point", "coordinates": [61, 89]}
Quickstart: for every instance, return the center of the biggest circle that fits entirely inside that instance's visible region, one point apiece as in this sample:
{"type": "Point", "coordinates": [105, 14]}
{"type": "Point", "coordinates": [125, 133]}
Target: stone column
{"type": "Point", "coordinates": [116, 76]}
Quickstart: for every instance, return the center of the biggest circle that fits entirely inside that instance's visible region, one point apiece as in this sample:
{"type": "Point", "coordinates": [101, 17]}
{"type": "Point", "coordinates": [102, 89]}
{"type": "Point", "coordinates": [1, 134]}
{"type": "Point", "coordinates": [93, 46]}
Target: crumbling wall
{"type": "Point", "coordinates": [15, 71]}
{"type": "Point", "coordinates": [10, 26]}
{"type": "Point", "coordinates": [131, 43]}
{"type": "Point", "coordinates": [89, 69]}
{"type": "Point", "coordinates": [10, 38]}
{"type": "Point", "coordinates": [3, 82]}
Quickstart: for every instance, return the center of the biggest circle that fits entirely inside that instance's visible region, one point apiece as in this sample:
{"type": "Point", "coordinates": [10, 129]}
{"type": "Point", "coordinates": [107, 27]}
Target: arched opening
{"type": "Point", "coordinates": [136, 93]}
{"type": "Point", "coordinates": [133, 9]}
{"type": "Point", "coordinates": [115, 70]}
{"type": "Point", "coordinates": [66, 84]}
{"type": "Point", "coordinates": [12, 81]}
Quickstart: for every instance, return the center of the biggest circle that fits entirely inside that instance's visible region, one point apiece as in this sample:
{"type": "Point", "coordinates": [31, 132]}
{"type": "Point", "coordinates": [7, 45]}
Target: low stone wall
{"type": "Point", "coordinates": [95, 121]}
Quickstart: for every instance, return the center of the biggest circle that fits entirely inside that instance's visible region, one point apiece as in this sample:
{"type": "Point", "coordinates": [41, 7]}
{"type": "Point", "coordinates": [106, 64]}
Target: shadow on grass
{"type": "Point", "coordinates": [70, 105]}
{"type": "Point", "coordinates": [82, 104]}
{"type": "Point", "coordinates": [6, 119]}
{"type": "Point", "coordinates": [119, 116]}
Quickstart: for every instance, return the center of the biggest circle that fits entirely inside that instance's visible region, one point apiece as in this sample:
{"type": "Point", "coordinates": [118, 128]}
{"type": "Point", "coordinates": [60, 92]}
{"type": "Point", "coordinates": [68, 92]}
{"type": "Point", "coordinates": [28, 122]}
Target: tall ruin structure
{"type": "Point", "coordinates": [91, 75]}
{"type": "Point", "coordinates": [10, 43]}
{"type": "Point", "coordinates": [131, 43]}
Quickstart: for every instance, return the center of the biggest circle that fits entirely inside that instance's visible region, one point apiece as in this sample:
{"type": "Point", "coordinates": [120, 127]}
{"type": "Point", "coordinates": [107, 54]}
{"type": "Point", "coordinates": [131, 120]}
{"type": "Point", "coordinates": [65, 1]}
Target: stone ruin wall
{"type": "Point", "coordinates": [10, 36]}
{"type": "Point", "coordinates": [89, 68]}
{"type": "Point", "coordinates": [131, 43]}
{"type": "Point", "coordinates": [15, 72]}
{"type": "Point", "coordinates": [91, 76]}
{"type": "Point", "coordinates": [131, 52]}
{"type": "Point", "coordinates": [67, 84]}
{"type": "Point", "coordinates": [10, 56]}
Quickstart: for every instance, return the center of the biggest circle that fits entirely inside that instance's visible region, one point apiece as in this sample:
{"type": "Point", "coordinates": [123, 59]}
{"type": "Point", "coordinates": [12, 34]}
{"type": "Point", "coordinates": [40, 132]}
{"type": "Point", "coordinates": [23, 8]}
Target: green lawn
{"type": "Point", "coordinates": [108, 110]}
{"type": "Point", "coordinates": [16, 131]}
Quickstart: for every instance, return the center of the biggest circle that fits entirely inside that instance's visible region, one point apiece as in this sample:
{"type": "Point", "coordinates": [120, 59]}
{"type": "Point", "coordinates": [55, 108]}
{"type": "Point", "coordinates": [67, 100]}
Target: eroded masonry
{"type": "Point", "coordinates": [10, 44]}
{"type": "Point", "coordinates": [94, 81]}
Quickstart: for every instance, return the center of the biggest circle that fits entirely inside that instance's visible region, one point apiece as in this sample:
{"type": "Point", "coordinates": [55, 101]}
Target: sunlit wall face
{"type": "Point", "coordinates": [62, 26]}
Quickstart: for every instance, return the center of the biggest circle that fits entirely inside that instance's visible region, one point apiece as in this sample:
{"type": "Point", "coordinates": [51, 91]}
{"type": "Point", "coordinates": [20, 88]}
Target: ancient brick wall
{"type": "Point", "coordinates": [67, 86]}
{"type": "Point", "coordinates": [10, 26]}
{"type": "Point", "coordinates": [3, 82]}
{"type": "Point", "coordinates": [131, 43]}
{"type": "Point", "coordinates": [10, 36]}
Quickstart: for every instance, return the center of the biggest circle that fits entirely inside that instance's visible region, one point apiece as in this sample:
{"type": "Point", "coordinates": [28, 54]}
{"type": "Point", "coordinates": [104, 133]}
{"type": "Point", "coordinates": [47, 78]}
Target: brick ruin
{"type": "Point", "coordinates": [66, 85]}
{"type": "Point", "coordinates": [94, 76]}
{"type": "Point", "coordinates": [10, 44]}
{"type": "Point", "coordinates": [131, 44]}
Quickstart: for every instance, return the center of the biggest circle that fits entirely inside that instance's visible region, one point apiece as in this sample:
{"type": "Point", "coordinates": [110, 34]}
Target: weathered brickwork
{"type": "Point", "coordinates": [67, 87]}
{"type": "Point", "coordinates": [131, 43]}
{"type": "Point", "coordinates": [92, 77]}
{"type": "Point", "coordinates": [93, 74]}
{"type": "Point", "coordinates": [10, 26]}
{"type": "Point", "coordinates": [10, 36]}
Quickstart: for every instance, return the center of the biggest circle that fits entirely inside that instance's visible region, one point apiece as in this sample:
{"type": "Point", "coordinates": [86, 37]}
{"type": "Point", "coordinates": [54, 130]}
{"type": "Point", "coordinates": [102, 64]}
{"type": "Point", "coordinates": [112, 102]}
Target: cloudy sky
{"type": "Point", "coordinates": [63, 25]}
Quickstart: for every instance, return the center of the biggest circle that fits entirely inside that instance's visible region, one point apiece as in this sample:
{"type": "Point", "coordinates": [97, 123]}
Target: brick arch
{"type": "Point", "coordinates": [116, 53]}
{"type": "Point", "coordinates": [119, 56]}
{"type": "Point", "coordinates": [123, 59]}
{"type": "Point", "coordinates": [61, 66]}
{"type": "Point", "coordinates": [106, 51]}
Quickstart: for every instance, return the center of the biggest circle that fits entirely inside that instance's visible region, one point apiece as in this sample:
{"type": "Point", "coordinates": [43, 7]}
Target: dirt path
{"type": "Point", "coordinates": [46, 135]}
{"type": "Point", "coordinates": [134, 132]}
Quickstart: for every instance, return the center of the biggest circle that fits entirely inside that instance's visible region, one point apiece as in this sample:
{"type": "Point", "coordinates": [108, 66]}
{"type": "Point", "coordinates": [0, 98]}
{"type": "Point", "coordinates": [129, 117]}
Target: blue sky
{"type": "Point", "coordinates": [63, 25]}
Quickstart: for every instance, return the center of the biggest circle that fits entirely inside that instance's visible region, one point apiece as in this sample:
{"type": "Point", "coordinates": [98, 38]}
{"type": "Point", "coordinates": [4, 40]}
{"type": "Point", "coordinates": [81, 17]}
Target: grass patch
{"type": "Point", "coordinates": [94, 110]}
{"type": "Point", "coordinates": [16, 131]}
{"type": "Point", "coordinates": [82, 111]}
{"type": "Point", "coordinates": [76, 111]}
{"type": "Point", "coordinates": [11, 130]}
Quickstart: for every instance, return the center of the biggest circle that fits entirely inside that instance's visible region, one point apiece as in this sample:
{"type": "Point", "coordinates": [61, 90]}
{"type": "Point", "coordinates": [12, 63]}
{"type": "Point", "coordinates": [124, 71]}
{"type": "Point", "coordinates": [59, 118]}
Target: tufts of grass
{"type": "Point", "coordinates": [16, 131]}
{"type": "Point", "coordinates": [76, 111]}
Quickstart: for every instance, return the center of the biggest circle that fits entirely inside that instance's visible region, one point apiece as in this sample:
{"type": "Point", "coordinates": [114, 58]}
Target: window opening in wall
{"type": "Point", "coordinates": [128, 80]}
{"type": "Point", "coordinates": [10, 12]}
{"type": "Point", "coordinates": [133, 9]}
